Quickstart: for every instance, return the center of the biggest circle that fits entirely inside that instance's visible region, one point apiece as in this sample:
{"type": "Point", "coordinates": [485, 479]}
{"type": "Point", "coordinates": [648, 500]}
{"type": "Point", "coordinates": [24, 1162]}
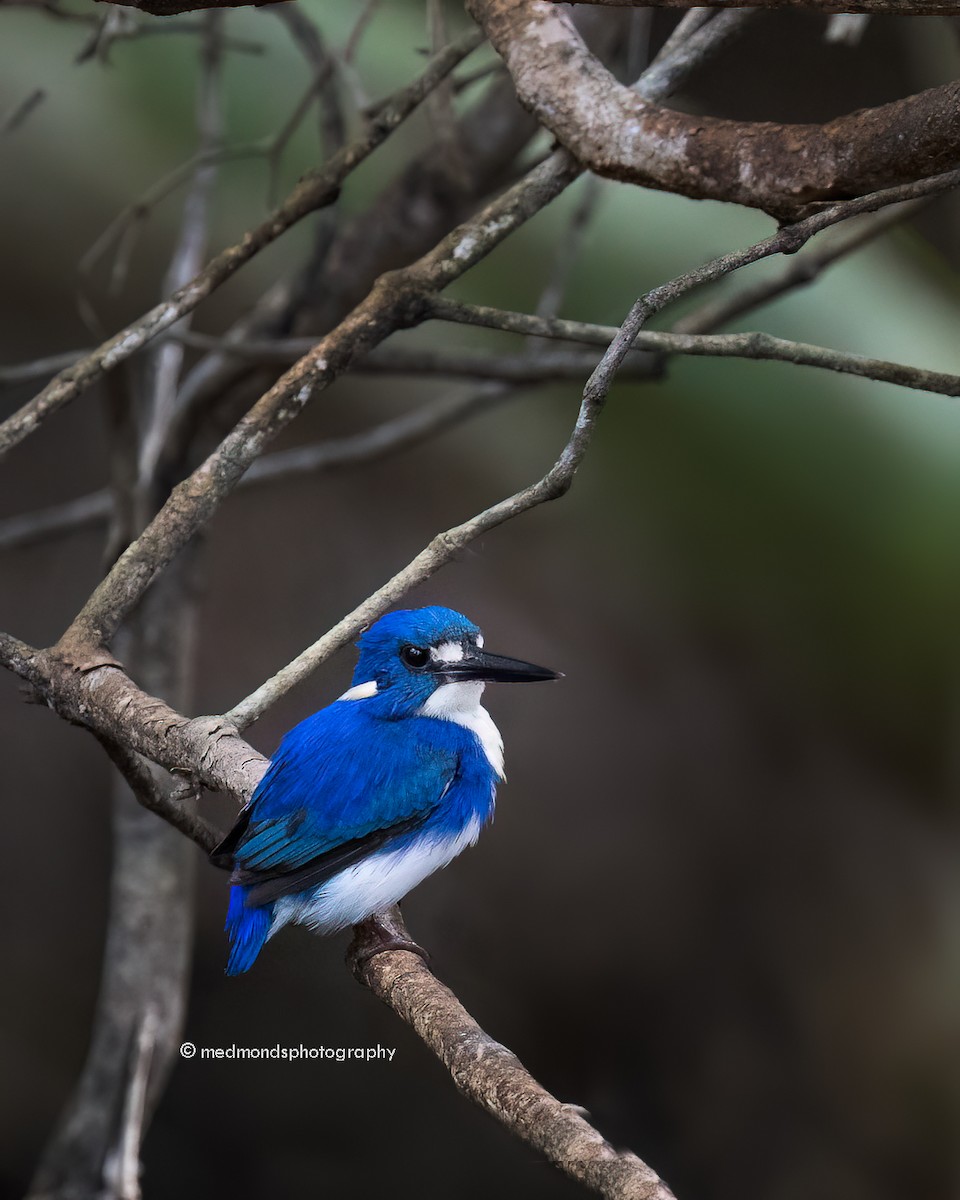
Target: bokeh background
{"type": "Point", "coordinates": [720, 905]}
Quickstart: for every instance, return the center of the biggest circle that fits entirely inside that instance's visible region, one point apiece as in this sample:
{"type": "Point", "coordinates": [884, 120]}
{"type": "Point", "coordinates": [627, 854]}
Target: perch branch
{"type": "Point", "coordinates": [489, 1074]}
{"type": "Point", "coordinates": [102, 696]}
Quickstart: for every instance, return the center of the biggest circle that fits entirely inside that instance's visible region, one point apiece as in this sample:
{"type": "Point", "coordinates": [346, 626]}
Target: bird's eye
{"type": "Point", "coordinates": [415, 656]}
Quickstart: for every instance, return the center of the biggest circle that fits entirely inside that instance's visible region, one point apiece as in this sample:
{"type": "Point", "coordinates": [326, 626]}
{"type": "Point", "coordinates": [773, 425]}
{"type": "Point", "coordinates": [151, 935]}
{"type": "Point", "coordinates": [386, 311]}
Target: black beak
{"type": "Point", "coordinates": [478, 666]}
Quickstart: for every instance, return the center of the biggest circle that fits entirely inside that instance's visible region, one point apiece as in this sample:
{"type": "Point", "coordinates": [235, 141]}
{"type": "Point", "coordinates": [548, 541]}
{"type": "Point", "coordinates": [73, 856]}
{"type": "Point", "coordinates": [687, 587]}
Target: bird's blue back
{"type": "Point", "coordinates": [341, 776]}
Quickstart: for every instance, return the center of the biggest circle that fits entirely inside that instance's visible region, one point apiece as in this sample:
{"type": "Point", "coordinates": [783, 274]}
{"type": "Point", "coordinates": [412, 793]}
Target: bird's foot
{"type": "Point", "coordinates": [383, 931]}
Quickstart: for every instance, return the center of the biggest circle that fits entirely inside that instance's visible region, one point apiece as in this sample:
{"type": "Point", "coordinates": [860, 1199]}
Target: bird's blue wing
{"type": "Point", "coordinates": [340, 786]}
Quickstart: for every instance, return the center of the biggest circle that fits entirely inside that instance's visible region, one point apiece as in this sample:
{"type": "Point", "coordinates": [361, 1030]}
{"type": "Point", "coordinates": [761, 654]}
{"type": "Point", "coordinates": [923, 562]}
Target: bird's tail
{"type": "Point", "coordinates": [248, 929]}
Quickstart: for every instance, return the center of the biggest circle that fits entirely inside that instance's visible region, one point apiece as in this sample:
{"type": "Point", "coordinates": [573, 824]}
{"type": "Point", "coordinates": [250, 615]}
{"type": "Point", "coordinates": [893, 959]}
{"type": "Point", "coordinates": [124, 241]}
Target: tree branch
{"type": "Point", "coordinates": [58, 519]}
{"type": "Point", "coordinates": [164, 361]}
{"type": "Point", "coordinates": [390, 437]}
{"type": "Point", "coordinates": [395, 301]}
{"type": "Point", "coordinates": [489, 1074]}
{"type": "Point", "coordinates": [101, 697]}
{"type": "Point", "coordinates": [802, 270]}
{"type": "Point", "coordinates": [398, 299]}
{"type": "Point", "coordinates": [315, 189]}
{"type": "Point", "coordinates": [403, 360]}
{"type": "Point", "coordinates": [752, 345]}
{"type": "Point", "coordinates": [486, 1072]}
{"type": "Point", "coordinates": [616, 132]}
{"type": "Point", "coordinates": [440, 550]}
{"type": "Point", "coordinates": [160, 800]}
{"type": "Point", "coordinates": [787, 240]}
{"type": "Point", "coordinates": [903, 8]}
{"type": "Point", "coordinates": [400, 360]}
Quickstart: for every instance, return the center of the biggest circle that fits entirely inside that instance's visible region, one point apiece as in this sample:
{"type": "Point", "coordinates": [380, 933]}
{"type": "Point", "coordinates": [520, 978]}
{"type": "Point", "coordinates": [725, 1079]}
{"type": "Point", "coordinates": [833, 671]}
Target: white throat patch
{"type": "Point", "coordinates": [460, 703]}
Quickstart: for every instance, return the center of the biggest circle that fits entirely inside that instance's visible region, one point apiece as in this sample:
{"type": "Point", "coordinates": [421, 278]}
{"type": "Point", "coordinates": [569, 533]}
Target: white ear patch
{"type": "Point", "coordinates": [361, 691]}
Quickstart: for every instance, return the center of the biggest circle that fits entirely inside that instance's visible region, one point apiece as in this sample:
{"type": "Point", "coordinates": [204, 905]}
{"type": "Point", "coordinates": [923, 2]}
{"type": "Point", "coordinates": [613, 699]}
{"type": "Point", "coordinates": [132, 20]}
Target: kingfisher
{"type": "Point", "coordinates": [367, 797]}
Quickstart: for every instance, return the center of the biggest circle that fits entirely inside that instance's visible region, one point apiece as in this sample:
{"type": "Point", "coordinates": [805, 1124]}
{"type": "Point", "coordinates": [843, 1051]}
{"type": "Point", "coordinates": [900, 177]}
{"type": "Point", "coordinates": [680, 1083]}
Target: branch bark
{"type": "Point", "coordinates": [899, 8]}
{"type": "Point", "coordinates": [782, 169]}
{"type": "Point", "coordinates": [489, 1074]}
{"type": "Point", "coordinates": [751, 345]}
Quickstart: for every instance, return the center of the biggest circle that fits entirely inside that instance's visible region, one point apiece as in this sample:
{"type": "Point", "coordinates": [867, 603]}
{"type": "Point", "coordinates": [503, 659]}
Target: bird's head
{"type": "Point", "coordinates": [408, 655]}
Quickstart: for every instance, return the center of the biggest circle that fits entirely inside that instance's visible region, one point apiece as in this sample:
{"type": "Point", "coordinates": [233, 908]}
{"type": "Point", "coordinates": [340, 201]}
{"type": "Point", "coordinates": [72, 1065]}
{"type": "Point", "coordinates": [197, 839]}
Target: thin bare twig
{"type": "Point", "coordinates": [315, 190]}
{"type": "Point", "coordinates": [323, 86]}
{"type": "Point", "coordinates": [753, 345]}
{"type": "Point", "coordinates": [800, 271]}
{"type": "Point", "coordinates": [164, 361]}
{"type": "Point", "coordinates": [347, 60]}
{"type": "Point", "coordinates": [388, 360]}
{"type": "Point", "coordinates": [58, 519]}
{"type": "Point", "coordinates": [385, 439]}
{"type": "Point", "coordinates": [38, 368]}
{"type": "Point", "coordinates": [684, 29]}
{"type": "Point", "coordinates": [349, 52]}
{"type": "Point", "coordinates": [439, 106]}
{"type": "Point", "coordinates": [404, 360]}
{"type": "Point", "coordinates": [787, 240]}
{"type": "Point", "coordinates": [158, 799]}
{"type": "Point", "coordinates": [20, 112]}
{"type": "Point", "coordinates": [568, 252]}
{"type": "Point", "coordinates": [467, 80]}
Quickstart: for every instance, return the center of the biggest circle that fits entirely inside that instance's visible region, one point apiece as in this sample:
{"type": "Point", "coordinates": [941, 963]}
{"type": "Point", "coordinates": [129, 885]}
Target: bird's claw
{"type": "Point", "coordinates": [383, 931]}
{"type": "Point", "coordinates": [362, 956]}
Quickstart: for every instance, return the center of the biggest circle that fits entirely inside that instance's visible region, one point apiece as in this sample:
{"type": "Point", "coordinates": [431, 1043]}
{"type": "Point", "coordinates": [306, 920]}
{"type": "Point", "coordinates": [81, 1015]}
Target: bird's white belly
{"type": "Point", "coordinates": [373, 884]}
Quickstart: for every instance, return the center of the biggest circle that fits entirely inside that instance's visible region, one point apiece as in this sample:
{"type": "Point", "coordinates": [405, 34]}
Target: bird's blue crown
{"type": "Point", "coordinates": [394, 649]}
